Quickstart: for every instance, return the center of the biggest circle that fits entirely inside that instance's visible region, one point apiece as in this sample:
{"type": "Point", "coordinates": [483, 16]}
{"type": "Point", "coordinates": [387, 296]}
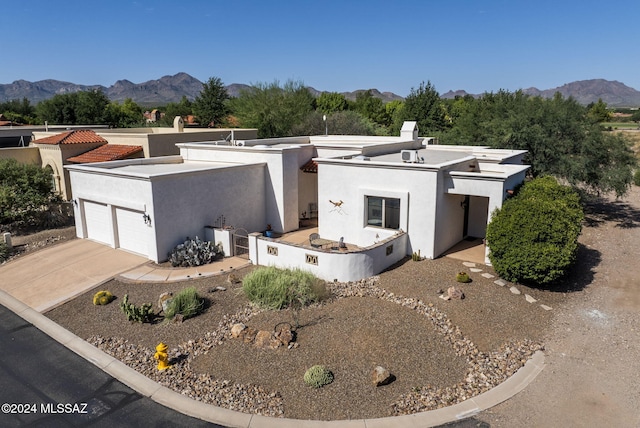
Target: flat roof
{"type": "Point", "coordinates": [154, 167]}
{"type": "Point", "coordinates": [430, 156]}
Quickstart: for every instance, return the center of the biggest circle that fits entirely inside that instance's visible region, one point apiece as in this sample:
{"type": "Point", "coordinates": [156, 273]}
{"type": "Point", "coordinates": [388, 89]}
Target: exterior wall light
{"type": "Point", "coordinates": [147, 218]}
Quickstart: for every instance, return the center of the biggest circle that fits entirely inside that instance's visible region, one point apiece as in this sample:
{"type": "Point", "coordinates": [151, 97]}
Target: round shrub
{"type": "Point", "coordinates": [463, 277]}
{"type": "Point", "coordinates": [186, 303]}
{"type": "Point", "coordinates": [274, 288]}
{"type": "Point", "coordinates": [534, 237]}
{"type": "Point", "coordinates": [103, 298]}
{"type": "Point", "coordinates": [318, 376]}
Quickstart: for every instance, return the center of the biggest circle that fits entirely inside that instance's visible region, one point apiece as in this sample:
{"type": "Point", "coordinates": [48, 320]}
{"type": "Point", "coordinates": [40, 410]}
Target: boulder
{"type": "Point", "coordinates": [380, 376]}
{"type": "Point", "coordinates": [265, 340]}
{"type": "Point", "coordinates": [249, 334]}
{"type": "Point", "coordinates": [165, 300]}
{"type": "Point", "coordinates": [237, 330]}
{"type": "Point", "coordinates": [285, 336]}
{"type": "Point", "coordinates": [455, 293]}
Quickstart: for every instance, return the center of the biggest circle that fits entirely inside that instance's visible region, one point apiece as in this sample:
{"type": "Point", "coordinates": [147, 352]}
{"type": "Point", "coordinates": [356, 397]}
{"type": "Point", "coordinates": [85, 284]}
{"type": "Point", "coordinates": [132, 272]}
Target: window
{"type": "Point", "coordinates": [383, 212]}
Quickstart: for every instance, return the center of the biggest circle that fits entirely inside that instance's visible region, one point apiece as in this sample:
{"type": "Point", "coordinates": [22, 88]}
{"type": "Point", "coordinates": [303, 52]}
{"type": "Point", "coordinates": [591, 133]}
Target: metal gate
{"type": "Point", "coordinates": [241, 243]}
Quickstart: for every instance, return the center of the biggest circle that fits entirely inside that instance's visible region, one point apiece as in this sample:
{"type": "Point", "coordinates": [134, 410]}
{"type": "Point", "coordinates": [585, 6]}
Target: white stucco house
{"type": "Point", "coordinates": [385, 196]}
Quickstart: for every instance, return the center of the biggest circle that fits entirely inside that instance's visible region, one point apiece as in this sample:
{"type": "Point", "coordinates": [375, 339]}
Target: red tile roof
{"type": "Point", "coordinates": [80, 136]}
{"type": "Point", "coordinates": [310, 166]}
{"type": "Point", "coordinates": [105, 153]}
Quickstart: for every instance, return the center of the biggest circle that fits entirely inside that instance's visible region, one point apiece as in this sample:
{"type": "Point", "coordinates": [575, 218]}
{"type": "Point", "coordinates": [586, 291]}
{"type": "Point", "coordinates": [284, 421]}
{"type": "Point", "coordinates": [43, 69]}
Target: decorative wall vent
{"type": "Point", "coordinates": [311, 259]}
{"type": "Point", "coordinates": [272, 251]}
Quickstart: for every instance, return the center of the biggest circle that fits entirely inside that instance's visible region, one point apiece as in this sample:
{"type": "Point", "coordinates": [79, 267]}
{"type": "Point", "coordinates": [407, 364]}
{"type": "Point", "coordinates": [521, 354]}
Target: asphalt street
{"type": "Point", "coordinates": [44, 384]}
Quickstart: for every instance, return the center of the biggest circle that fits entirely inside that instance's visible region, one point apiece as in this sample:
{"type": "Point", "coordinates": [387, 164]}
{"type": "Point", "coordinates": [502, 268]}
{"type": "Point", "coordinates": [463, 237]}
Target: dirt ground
{"type": "Point", "coordinates": [592, 348]}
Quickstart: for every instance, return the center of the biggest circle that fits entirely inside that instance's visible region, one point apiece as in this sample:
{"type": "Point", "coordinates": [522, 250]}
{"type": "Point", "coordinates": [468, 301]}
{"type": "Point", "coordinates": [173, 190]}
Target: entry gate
{"type": "Point", "coordinates": [241, 243]}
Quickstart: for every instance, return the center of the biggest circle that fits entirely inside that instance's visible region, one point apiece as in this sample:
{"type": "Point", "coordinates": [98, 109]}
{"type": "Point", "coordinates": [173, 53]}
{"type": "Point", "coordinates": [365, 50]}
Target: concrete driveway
{"type": "Point", "coordinates": [54, 275]}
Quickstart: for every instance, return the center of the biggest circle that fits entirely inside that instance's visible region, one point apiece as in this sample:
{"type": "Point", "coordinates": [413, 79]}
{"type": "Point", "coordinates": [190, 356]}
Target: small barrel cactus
{"type": "Point", "coordinates": [318, 376]}
{"type": "Point", "coordinates": [463, 277]}
{"type": "Point", "coordinates": [103, 297]}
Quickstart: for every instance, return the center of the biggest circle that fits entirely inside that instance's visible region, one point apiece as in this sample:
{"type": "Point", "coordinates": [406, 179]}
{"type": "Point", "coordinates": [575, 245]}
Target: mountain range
{"type": "Point", "coordinates": [173, 88]}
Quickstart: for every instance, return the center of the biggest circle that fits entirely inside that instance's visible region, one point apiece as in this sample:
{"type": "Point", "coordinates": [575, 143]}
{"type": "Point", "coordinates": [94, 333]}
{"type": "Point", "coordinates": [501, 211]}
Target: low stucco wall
{"type": "Point", "coordinates": [328, 264]}
{"type": "Point", "coordinates": [24, 155]}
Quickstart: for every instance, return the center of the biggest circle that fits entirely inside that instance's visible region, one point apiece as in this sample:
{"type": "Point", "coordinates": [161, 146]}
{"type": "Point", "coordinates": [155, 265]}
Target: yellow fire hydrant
{"type": "Point", "coordinates": [162, 356]}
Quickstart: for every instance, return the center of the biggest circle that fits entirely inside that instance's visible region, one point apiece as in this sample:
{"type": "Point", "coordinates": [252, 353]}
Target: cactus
{"type": "Point", "coordinates": [103, 297]}
{"type": "Point", "coordinates": [463, 277]}
{"type": "Point", "coordinates": [195, 252]}
{"type": "Point", "coordinates": [142, 313]}
{"type": "Point", "coordinates": [318, 376]}
{"type": "Point", "coordinates": [416, 256]}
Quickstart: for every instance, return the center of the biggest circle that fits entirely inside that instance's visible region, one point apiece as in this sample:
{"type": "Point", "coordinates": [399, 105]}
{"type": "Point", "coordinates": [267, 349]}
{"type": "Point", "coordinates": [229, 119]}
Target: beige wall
{"type": "Point", "coordinates": [26, 155]}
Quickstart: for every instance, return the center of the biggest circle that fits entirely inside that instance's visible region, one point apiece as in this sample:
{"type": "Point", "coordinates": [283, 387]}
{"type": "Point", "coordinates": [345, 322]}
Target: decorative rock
{"type": "Point", "coordinates": [514, 290]}
{"type": "Point", "coordinates": [178, 319]}
{"type": "Point", "coordinates": [469, 264]}
{"type": "Point", "coordinates": [165, 300]}
{"type": "Point", "coordinates": [530, 299]}
{"type": "Point", "coordinates": [285, 336]}
{"type": "Point", "coordinates": [455, 293]}
{"type": "Point", "coordinates": [500, 282]}
{"type": "Point", "coordinates": [249, 334]}
{"type": "Point", "coordinates": [237, 330]}
{"type": "Point", "coordinates": [380, 376]}
{"type": "Point", "coordinates": [232, 279]}
{"type": "Point", "coordinates": [265, 340]}
{"type": "Point", "coordinates": [546, 308]}
{"type": "Point", "coordinates": [475, 270]}
{"type": "Point", "coordinates": [488, 275]}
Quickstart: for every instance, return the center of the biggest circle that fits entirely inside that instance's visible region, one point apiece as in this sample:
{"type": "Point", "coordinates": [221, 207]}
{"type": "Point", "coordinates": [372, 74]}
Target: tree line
{"type": "Point", "coordinates": [563, 138]}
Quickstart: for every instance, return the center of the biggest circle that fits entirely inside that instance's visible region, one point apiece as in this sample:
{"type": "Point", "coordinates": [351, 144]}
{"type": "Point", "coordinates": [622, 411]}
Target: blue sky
{"type": "Point", "coordinates": [341, 45]}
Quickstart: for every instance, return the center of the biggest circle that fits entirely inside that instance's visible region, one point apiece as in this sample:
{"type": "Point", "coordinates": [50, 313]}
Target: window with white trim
{"type": "Point", "coordinates": [383, 212]}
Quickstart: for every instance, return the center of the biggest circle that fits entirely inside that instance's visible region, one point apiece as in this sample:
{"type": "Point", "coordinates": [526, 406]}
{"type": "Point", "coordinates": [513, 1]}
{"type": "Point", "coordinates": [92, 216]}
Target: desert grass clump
{"type": "Point", "coordinates": [186, 303]}
{"type": "Point", "coordinates": [275, 288]}
{"type": "Point", "coordinates": [318, 376]}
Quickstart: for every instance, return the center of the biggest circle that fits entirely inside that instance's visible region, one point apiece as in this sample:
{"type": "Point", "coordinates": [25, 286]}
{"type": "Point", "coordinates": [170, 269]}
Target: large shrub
{"type": "Point", "coordinates": [274, 288]}
{"type": "Point", "coordinates": [186, 303]}
{"type": "Point", "coordinates": [534, 237]}
{"type": "Point", "coordinates": [25, 193]}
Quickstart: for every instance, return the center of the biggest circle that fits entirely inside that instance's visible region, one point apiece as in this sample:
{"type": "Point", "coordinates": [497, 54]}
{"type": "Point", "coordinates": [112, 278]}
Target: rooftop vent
{"type": "Point", "coordinates": [362, 158]}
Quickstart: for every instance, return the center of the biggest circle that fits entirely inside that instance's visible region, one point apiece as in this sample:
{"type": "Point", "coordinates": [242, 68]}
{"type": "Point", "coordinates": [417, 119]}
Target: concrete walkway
{"type": "Point", "coordinates": [149, 272]}
{"type": "Point", "coordinates": [49, 277]}
{"type": "Point", "coordinates": [74, 267]}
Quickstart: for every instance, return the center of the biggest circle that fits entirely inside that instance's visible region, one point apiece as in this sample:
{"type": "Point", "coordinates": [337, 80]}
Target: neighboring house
{"type": "Point", "coordinates": [385, 196]}
{"type": "Point", "coordinates": [57, 149]}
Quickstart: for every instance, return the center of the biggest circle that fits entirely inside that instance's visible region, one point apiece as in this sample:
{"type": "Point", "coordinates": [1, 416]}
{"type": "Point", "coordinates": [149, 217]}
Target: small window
{"type": "Point", "coordinates": [383, 212]}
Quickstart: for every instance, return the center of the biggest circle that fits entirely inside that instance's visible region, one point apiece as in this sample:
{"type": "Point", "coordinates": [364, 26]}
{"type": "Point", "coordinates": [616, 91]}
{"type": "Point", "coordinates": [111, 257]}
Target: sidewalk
{"type": "Point", "coordinates": [150, 272]}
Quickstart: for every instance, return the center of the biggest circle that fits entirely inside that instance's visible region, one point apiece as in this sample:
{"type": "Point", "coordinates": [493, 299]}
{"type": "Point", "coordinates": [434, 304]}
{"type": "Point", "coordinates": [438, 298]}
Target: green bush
{"type": "Point", "coordinates": [275, 288]}
{"type": "Point", "coordinates": [534, 237]}
{"type": "Point", "coordinates": [186, 303]}
{"type": "Point", "coordinates": [5, 252]}
{"type": "Point", "coordinates": [318, 376]}
{"type": "Point", "coordinates": [463, 277]}
{"type": "Point", "coordinates": [636, 177]}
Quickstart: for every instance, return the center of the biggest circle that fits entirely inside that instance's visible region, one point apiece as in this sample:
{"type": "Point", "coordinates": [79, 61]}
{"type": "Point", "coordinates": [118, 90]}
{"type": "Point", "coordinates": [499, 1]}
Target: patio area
{"type": "Point", "coordinates": [471, 250]}
{"type": "Point", "coordinates": [301, 237]}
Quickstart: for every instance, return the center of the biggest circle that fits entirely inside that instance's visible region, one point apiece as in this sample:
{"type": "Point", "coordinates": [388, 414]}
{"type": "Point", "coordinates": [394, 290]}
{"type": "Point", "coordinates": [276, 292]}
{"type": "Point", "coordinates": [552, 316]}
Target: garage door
{"type": "Point", "coordinates": [97, 221]}
{"type": "Point", "coordinates": [133, 233]}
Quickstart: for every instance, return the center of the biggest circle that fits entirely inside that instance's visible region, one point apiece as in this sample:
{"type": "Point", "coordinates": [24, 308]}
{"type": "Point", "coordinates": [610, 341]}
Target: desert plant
{"type": "Point", "coordinates": [185, 303]}
{"type": "Point", "coordinates": [463, 277]}
{"type": "Point", "coordinates": [195, 252]}
{"type": "Point", "coordinates": [318, 376]}
{"type": "Point", "coordinates": [5, 252]}
{"type": "Point", "coordinates": [143, 313]}
{"type": "Point", "coordinates": [416, 256]}
{"type": "Point", "coordinates": [274, 288]}
{"type": "Point", "coordinates": [103, 297]}
{"type": "Point", "coordinates": [533, 238]}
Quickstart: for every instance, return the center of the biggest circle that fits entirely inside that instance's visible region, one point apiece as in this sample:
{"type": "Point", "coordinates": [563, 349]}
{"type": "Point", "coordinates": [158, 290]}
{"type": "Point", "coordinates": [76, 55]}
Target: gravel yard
{"type": "Point", "coordinates": [440, 352]}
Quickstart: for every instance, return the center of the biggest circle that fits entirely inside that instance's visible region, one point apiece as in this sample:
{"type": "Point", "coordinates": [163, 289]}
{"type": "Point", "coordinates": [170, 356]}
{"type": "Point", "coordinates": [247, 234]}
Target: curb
{"type": "Point", "coordinates": [230, 418]}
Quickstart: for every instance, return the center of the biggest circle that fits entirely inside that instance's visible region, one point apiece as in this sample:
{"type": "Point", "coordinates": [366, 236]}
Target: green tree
{"type": "Point", "coordinates": [371, 107]}
{"type": "Point", "coordinates": [18, 111]}
{"type": "Point", "coordinates": [77, 108]}
{"type": "Point", "coordinates": [91, 107]}
{"type": "Point", "coordinates": [533, 238]}
{"type": "Point", "coordinates": [340, 123]}
{"type": "Point", "coordinates": [183, 109]}
{"type": "Point", "coordinates": [25, 190]}
{"type": "Point", "coordinates": [125, 115]}
{"type": "Point", "coordinates": [598, 112]}
{"type": "Point", "coordinates": [273, 109]}
{"type": "Point", "coordinates": [424, 106]}
{"type": "Point", "coordinates": [395, 113]}
{"type": "Point", "coordinates": [560, 138]}
{"type": "Point", "coordinates": [210, 107]}
{"type": "Point", "coordinates": [331, 102]}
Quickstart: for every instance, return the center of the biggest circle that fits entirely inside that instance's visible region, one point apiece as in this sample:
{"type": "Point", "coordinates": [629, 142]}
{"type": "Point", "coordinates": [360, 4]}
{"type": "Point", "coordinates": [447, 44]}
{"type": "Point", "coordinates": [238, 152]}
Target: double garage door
{"type": "Point", "coordinates": [127, 231]}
